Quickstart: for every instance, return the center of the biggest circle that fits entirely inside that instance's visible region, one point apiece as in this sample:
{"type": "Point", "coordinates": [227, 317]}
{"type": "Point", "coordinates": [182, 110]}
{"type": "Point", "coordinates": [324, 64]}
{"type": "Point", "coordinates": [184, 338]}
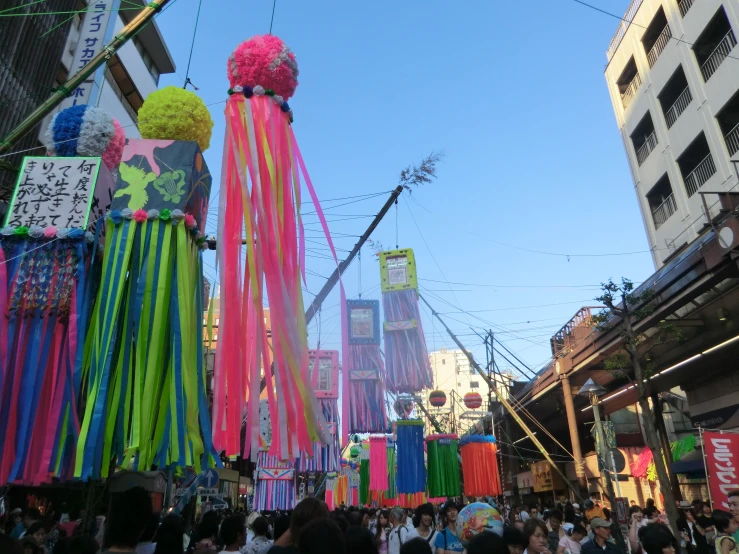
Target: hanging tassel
{"type": "Point", "coordinates": [378, 463]}
{"type": "Point", "coordinates": [275, 487]}
{"type": "Point", "coordinates": [411, 469]}
{"type": "Point", "coordinates": [443, 465]}
{"type": "Point", "coordinates": [480, 466]}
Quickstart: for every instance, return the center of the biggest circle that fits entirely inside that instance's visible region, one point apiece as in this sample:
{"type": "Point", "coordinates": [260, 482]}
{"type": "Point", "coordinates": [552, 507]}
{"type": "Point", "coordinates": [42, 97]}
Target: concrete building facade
{"type": "Point", "coordinates": [673, 77]}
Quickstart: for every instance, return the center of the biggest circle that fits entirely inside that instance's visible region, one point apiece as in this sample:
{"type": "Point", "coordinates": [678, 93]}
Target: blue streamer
{"type": "Point", "coordinates": [411, 476]}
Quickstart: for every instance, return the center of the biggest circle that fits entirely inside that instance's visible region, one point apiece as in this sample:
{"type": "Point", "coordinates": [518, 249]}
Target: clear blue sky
{"type": "Point", "coordinates": [512, 92]}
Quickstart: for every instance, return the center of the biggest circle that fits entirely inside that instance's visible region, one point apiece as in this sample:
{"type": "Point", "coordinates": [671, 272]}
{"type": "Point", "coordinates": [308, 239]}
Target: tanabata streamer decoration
{"type": "Point", "coordinates": [330, 486]}
{"type": "Point", "coordinates": [378, 463]}
{"type": "Point", "coordinates": [476, 518]}
{"type": "Point", "coordinates": [193, 121]}
{"type": "Point", "coordinates": [364, 475]}
{"type": "Point", "coordinates": [407, 361]}
{"type": "Point", "coordinates": [443, 465]}
{"type": "Point", "coordinates": [144, 374]}
{"type": "Point", "coordinates": [274, 487]}
{"type": "Point", "coordinates": [411, 468]}
{"type": "Point", "coordinates": [260, 198]}
{"type": "Point", "coordinates": [480, 465]}
{"type": "Point", "coordinates": [365, 387]}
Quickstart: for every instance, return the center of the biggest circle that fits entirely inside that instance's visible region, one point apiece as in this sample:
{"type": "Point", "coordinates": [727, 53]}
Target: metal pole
{"type": "Point", "coordinates": [705, 464]}
{"type": "Point", "coordinates": [504, 401]}
{"type": "Point", "coordinates": [25, 126]}
{"type": "Point", "coordinates": [574, 436]}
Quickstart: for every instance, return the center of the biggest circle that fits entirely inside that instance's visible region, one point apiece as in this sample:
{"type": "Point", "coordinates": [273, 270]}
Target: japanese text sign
{"type": "Point", "coordinates": [54, 192]}
{"type": "Point", "coordinates": [722, 457]}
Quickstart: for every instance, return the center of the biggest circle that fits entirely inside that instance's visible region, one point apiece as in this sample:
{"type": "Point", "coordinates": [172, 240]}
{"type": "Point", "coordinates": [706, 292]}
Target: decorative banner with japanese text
{"type": "Point", "coordinates": [722, 457]}
{"type": "Point", "coordinates": [55, 192]}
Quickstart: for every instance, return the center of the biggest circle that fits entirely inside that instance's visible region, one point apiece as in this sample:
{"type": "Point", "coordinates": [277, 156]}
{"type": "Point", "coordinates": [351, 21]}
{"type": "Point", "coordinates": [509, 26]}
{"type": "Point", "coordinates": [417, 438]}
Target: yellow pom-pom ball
{"type": "Point", "coordinates": [173, 113]}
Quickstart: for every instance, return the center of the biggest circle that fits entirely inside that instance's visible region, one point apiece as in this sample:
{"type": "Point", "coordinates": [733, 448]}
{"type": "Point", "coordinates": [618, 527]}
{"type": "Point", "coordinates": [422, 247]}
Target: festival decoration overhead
{"type": "Point", "coordinates": [48, 267]}
{"type": "Point", "coordinates": [192, 119]}
{"type": "Point", "coordinates": [378, 463]}
{"type": "Point", "coordinates": [473, 400]}
{"type": "Point", "coordinates": [403, 407]}
{"type": "Point", "coordinates": [480, 465]}
{"type": "Point", "coordinates": [411, 476]}
{"type": "Point", "coordinates": [260, 199]}
{"type": "Point", "coordinates": [407, 361]}
{"type": "Point", "coordinates": [437, 398]}
{"type": "Point", "coordinates": [365, 387]}
{"type": "Point", "coordinates": [476, 518]}
{"type": "Point", "coordinates": [443, 465]}
{"type": "Point", "coordinates": [274, 484]}
{"type": "Point", "coordinates": [145, 381]}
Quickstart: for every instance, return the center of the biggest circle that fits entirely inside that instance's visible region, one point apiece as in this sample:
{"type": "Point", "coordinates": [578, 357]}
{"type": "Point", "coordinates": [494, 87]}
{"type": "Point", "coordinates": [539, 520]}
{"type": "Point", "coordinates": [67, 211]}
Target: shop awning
{"type": "Point", "coordinates": [690, 464]}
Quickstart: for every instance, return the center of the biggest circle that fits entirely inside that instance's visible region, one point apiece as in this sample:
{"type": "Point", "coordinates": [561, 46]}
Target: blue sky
{"type": "Point", "coordinates": [512, 92]}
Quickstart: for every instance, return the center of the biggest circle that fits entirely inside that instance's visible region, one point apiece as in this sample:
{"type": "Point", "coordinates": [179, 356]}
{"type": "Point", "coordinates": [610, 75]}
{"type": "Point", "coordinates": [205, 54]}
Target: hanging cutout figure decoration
{"type": "Point", "coordinates": [366, 372]}
{"type": "Point", "coordinates": [260, 199]}
{"type": "Point", "coordinates": [408, 367]}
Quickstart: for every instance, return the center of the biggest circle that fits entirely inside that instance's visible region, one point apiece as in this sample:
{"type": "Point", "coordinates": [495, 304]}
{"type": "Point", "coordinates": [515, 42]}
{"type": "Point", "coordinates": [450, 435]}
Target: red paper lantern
{"type": "Point", "coordinates": [473, 400]}
{"type": "Point", "coordinates": [437, 398]}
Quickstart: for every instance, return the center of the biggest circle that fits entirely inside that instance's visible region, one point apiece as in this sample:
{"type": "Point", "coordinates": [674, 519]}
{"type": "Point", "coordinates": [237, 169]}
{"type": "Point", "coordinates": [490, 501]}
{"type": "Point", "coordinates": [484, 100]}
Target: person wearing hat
{"type": "Point", "coordinates": [600, 544]}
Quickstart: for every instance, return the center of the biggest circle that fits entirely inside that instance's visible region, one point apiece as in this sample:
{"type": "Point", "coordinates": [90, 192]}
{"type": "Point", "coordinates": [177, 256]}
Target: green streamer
{"type": "Point", "coordinates": [443, 468]}
{"type": "Point", "coordinates": [364, 479]}
{"type": "Point", "coordinates": [392, 491]}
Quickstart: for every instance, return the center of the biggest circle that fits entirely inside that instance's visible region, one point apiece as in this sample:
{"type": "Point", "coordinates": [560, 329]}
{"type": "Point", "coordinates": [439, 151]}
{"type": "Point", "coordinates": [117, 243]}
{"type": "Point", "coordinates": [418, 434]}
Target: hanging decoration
{"type": "Point", "coordinates": [260, 199]}
{"type": "Point", "coordinates": [144, 376]}
{"type": "Point", "coordinates": [480, 465]}
{"type": "Point", "coordinates": [366, 388]}
{"type": "Point", "coordinates": [473, 400]}
{"type": "Point", "coordinates": [437, 398]}
{"type": "Point", "coordinates": [274, 486]}
{"type": "Point", "coordinates": [443, 465]}
{"type": "Point", "coordinates": [408, 367]}
{"type": "Point", "coordinates": [364, 475]}
{"type": "Point", "coordinates": [48, 277]}
{"type": "Point", "coordinates": [411, 468]}
{"type": "Point", "coordinates": [331, 479]}
{"type": "Point", "coordinates": [378, 463]}
{"type": "Point", "coordinates": [403, 406]}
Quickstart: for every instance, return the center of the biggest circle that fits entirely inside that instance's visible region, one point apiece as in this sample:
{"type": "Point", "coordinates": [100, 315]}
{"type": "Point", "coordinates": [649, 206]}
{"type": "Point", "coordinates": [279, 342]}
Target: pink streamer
{"type": "Point", "coordinates": [378, 463]}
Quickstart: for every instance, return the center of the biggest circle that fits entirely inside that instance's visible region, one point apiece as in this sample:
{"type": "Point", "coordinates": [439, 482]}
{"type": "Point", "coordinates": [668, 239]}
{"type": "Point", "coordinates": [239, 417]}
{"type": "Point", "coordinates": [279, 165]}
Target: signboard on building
{"type": "Point", "coordinates": [545, 480]}
{"type": "Point", "coordinates": [524, 479]}
{"type": "Point", "coordinates": [722, 457]}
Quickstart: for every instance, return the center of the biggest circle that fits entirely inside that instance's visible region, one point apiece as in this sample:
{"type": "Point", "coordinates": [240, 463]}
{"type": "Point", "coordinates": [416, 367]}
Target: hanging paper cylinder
{"type": "Point", "coordinates": [437, 398]}
{"type": "Point", "coordinates": [274, 487]}
{"type": "Point", "coordinates": [324, 457]}
{"type": "Point", "coordinates": [356, 439]}
{"type": "Point", "coordinates": [473, 400]}
{"type": "Point", "coordinates": [443, 465]}
{"type": "Point", "coordinates": [411, 468]}
{"type": "Point", "coordinates": [260, 199]}
{"type": "Point", "coordinates": [366, 370]}
{"type": "Point", "coordinates": [146, 397]}
{"type": "Point", "coordinates": [480, 465]}
{"type": "Point", "coordinates": [406, 357]}
{"type": "Point", "coordinates": [378, 463]}
{"type": "Point", "coordinates": [354, 451]}
{"type": "Point", "coordinates": [403, 407]}
{"type": "Point", "coordinates": [392, 490]}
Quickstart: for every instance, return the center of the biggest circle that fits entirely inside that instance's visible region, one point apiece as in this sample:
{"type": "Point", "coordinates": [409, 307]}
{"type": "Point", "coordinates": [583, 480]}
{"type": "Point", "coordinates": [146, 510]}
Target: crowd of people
{"type": "Point", "coordinates": [565, 528]}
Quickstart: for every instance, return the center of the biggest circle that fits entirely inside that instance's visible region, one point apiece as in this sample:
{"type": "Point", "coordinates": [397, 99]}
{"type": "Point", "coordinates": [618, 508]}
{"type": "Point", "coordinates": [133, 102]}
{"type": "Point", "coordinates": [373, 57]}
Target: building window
{"type": "Point", "coordinates": [715, 44]}
{"type": "Point", "coordinates": [675, 97]}
{"type": "Point", "coordinates": [628, 83]}
{"type": "Point", "coordinates": [661, 201]}
{"type": "Point", "coordinates": [474, 384]}
{"type": "Point", "coordinates": [728, 120]}
{"type": "Point", "coordinates": [696, 165]}
{"type": "Point", "coordinates": [148, 61]}
{"type": "Point", "coordinates": [644, 139]}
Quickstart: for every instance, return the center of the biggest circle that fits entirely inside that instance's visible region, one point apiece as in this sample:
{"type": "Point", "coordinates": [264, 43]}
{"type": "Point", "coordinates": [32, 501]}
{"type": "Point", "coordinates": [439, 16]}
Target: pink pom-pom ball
{"type": "Point", "coordinates": [266, 61]}
{"type": "Point", "coordinates": [114, 152]}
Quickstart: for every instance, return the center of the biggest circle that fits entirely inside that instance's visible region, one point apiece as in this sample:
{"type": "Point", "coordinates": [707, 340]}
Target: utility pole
{"type": "Point", "coordinates": [504, 401]}
{"type": "Point", "coordinates": [128, 32]}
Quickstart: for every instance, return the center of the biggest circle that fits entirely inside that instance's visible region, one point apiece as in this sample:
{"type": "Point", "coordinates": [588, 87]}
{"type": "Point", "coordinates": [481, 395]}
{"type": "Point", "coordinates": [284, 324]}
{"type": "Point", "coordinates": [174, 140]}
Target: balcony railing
{"type": "Point", "coordinates": [650, 144]}
{"type": "Point", "coordinates": [659, 45]}
{"type": "Point", "coordinates": [623, 27]}
{"type": "Point", "coordinates": [678, 107]}
{"type": "Point", "coordinates": [732, 140]}
{"type": "Point", "coordinates": [698, 177]}
{"type": "Point", "coordinates": [719, 54]}
{"type": "Point", "coordinates": [684, 6]}
{"type": "Point", "coordinates": [663, 212]}
{"type": "Point", "coordinates": [628, 95]}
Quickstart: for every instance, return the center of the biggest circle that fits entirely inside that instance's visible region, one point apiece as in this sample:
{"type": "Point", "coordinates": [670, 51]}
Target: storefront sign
{"type": "Point", "coordinates": [715, 418]}
{"type": "Point", "coordinates": [544, 479]}
{"type": "Point", "coordinates": [524, 479]}
{"type": "Point", "coordinates": [722, 457]}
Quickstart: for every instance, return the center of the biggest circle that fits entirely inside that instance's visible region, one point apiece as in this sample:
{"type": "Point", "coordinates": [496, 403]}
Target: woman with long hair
{"type": "Point", "coordinates": [381, 531]}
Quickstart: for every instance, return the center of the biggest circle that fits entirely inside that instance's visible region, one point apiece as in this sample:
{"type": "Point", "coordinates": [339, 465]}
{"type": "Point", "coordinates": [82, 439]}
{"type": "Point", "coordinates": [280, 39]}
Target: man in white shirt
{"type": "Point", "coordinates": [425, 529]}
{"type": "Point", "coordinates": [398, 533]}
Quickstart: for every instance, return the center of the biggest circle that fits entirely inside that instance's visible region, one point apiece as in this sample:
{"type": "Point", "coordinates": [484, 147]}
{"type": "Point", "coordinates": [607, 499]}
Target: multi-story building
{"type": "Point", "coordinates": [673, 76]}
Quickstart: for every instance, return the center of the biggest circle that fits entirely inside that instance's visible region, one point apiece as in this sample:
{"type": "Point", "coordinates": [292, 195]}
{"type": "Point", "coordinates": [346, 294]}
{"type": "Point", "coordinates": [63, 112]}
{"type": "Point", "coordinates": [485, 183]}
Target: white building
{"type": "Point", "coordinates": [131, 74]}
{"type": "Point", "coordinates": [673, 76]}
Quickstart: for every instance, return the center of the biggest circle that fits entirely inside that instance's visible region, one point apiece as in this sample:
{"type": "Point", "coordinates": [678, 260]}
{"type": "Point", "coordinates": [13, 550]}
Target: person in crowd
{"type": "Point", "coordinates": [233, 534]}
{"type": "Point", "coordinates": [30, 547]}
{"type": "Point", "coordinates": [570, 543]}
{"type": "Point", "coordinates": [569, 513]}
{"type": "Point", "coordinates": [592, 510]}
{"type": "Point", "coordinates": [130, 512]}
{"type": "Point", "coordinates": [416, 546]}
{"type": "Point", "coordinates": [260, 543]}
{"type": "Point", "coordinates": [656, 538]}
{"type": "Point", "coordinates": [638, 521]}
{"type": "Point", "coordinates": [31, 516]}
{"type": "Point", "coordinates": [535, 536]}
{"type": "Point", "coordinates": [409, 520]}
{"type": "Point", "coordinates": [734, 510]}
{"type": "Point", "coordinates": [204, 540]}
{"type": "Point", "coordinates": [398, 532]}
{"type": "Point", "coordinates": [425, 528]}
{"type": "Point", "coordinates": [280, 526]}
{"type": "Point", "coordinates": [355, 519]}
{"type": "Point", "coordinates": [372, 520]}
{"type": "Point", "coordinates": [366, 519]}
{"type": "Point", "coordinates": [534, 512]}
{"type": "Point", "coordinates": [555, 530]}
{"type": "Point", "coordinates": [487, 543]}
{"type": "Point", "coordinates": [360, 541]}
{"type": "Point", "coordinates": [651, 511]}
{"type": "Point", "coordinates": [523, 515]}
{"type": "Point", "coordinates": [697, 531]}
{"type": "Point", "coordinates": [725, 529]}
{"type": "Point", "coordinates": [600, 543]}
{"type": "Point", "coordinates": [446, 540]}
{"type": "Point", "coordinates": [168, 538]}
{"type": "Point", "coordinates": [513, 539]}
{"type": "Point", "coordinates": [37, 533]}
{"type": "Point", "coordinates": [146, 542]}
{"type": "Point", "coordinates": [306, 511]}
{"type": "Point", "coordinates": [82, 544]}
{"type": "Point", "coordinates": [382, 531]}
{"type": "Point", "coordinates": [321, 536]}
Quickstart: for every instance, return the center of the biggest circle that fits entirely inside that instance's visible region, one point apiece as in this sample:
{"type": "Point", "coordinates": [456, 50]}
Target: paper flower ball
{"type": "Point", "coordinates": [173, 113]}
{"type": "Point", "coordinates": [265, 61]}
{"type": "Point", "coordinates": [86, 131]}
{"type": "Point", "coordinates": [476, 518]}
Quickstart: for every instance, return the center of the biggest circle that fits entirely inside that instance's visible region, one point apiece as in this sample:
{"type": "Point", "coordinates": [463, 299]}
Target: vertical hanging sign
{"type": "Point", "coordinates": [95, 33]}
{"type": "Point", "coordinates": [722, 459]}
